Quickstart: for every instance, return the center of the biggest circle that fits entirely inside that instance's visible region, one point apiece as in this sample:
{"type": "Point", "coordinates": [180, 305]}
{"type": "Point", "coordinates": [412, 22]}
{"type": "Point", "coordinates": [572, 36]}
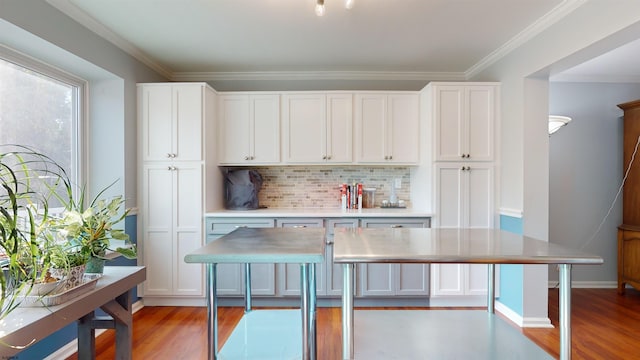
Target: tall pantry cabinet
{"type": "Point", "coordinates": [173, 118]}
{"type": "Point", "coordinates": [465, 127]}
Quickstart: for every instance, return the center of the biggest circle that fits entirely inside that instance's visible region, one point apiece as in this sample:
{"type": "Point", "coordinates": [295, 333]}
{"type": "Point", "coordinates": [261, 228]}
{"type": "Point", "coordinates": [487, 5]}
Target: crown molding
{"type": "Point", "coordinates": [550, 18]}
{"type": "Point", "coordinates": [92, 24]}
{"type": "Point", "coordinates": [317, 75]}
{"type": "Point", "coordinates": [621, 79]}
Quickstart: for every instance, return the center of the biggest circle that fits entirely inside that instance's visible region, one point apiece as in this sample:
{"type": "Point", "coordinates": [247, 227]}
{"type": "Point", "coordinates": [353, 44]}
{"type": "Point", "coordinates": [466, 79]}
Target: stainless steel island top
{"type": "Point", "coordinates": [481, 246]}
{"type": "Point", "coordinates": [263, 245]}
{"type": "Point", "coordinates": [470, 246]}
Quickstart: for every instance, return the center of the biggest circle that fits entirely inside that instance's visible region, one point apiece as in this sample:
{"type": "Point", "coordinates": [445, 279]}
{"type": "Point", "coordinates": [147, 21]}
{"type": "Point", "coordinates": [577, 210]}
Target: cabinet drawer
{"type": "Point", "coordinates": [226, 225]}
{"type": "Point", "coordinates": [300, 222]}
{"type": "Point", "coordinates": [396, 223]}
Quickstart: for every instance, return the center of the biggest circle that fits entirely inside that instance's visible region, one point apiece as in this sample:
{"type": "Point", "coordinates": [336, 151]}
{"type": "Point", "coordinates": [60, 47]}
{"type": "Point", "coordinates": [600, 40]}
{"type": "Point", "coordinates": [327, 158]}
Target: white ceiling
{"type": "Point", "coordinates": [284, 39]}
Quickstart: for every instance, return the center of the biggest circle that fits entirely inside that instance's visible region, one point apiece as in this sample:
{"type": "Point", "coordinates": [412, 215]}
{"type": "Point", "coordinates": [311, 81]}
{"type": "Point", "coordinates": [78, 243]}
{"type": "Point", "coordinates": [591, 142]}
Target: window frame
{"type": "Point", "coordinates": [79, 132]}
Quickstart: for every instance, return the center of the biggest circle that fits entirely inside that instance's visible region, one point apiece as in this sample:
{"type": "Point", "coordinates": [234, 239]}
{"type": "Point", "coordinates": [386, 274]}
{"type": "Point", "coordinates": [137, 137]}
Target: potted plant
{"type": "Point", "coordinates": [23, 213]}
{"type": "Point", "coordinates": [90, 228]}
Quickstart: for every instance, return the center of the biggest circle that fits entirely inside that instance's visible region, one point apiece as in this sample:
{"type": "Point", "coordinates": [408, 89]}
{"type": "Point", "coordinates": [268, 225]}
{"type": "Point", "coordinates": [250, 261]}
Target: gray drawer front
{"type": "Point", "coordinates": [226, 225]}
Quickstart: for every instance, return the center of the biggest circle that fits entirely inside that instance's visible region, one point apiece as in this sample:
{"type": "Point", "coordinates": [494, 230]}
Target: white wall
{"type": "Point", "coordinates": [586, 170]}
{"type": "Point", "coordinates": [580, 35]}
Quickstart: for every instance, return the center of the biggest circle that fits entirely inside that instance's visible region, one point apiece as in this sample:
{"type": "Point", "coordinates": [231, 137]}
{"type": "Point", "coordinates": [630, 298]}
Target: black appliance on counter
{"type": "Point", "coordinates": [241, 189]}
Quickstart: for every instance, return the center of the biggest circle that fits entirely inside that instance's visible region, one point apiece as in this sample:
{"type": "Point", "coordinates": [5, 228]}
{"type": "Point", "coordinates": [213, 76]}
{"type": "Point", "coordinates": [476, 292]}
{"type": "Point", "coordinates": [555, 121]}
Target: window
{"type": "Point", "coordinates": [40, 107]}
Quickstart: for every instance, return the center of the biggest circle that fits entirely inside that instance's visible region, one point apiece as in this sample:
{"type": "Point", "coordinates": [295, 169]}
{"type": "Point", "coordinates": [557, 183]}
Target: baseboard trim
{"type": "Point", "coordinates": [72, 347]}
{"type": "Point", "coordinates": [587, 284]}
{"type": "Point", "coordinates": [524, 322]}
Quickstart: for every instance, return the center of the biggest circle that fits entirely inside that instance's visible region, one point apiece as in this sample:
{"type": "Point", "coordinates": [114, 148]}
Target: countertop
{"type": "Point", "coordinates": [470, 246]}
{"type": "Point", "coordinates": [264, 245]}
{"type": "Point", "coordinates": [321, 213]}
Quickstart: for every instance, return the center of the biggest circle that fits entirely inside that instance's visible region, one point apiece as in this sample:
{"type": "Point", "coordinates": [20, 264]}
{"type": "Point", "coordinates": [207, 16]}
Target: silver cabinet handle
{"type": "Point", "coordinates": [299, 226]}
{"type": "Point", "coordinates": [396, 226]}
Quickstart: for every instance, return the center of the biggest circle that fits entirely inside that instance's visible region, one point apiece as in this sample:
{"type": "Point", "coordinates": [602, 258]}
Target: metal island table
{"type": "Point", "coordinates": [446, 334]}
{"type": "Point", "coordinates": [259, 333]}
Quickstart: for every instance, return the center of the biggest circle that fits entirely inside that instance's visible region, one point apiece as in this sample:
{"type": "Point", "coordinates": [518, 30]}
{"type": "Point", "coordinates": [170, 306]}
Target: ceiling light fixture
{"type": "Point", "coordinates": [556, 122]}
{"type": "Point", "coordinates": [348, 4]}
{"type": "Point", "coordinates": [320, 7]}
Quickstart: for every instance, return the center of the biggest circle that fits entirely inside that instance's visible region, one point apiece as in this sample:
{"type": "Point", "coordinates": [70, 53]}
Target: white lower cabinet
{"type": "Point", "coordinates": [230, 277]}
{"type": "Point", "coordinates": [464, 199]}
{"type": "Point", "coordinates": [394, 279]}
{"type": "Point", "coordinates": [172, 228]}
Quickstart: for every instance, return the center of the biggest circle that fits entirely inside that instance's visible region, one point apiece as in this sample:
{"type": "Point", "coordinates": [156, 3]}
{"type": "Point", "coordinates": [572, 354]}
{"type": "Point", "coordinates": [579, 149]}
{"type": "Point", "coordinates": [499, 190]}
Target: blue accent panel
{"type": "Point", "coordinates": [53, 342]}
{"type": "Point", "coordinates": [511, 276]}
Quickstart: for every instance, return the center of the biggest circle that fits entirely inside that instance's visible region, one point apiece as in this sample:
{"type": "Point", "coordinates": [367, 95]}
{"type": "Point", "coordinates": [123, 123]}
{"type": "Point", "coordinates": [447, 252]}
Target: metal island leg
{"type": "Point", "coordinates": [308, 311]}
{"type": "Point", "coordinates": [347, 311]}
{"type": "Point", "coordinates": [212, 313]}
{"type": "Point", "coordinates": [564, 308]}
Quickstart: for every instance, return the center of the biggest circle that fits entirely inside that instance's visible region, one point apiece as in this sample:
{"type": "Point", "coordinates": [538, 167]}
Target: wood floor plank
{"type": "Point", "coordinates": [605, 326]}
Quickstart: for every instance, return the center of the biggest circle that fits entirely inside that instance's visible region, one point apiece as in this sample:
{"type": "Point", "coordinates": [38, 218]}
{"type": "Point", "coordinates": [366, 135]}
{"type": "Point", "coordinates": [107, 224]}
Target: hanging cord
{"type": "Point", "coordinates": [615, 199]}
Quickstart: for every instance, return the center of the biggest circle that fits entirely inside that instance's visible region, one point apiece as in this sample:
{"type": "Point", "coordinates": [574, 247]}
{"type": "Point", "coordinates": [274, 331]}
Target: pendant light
{"type": "Point", "coordinates": [320, 7]}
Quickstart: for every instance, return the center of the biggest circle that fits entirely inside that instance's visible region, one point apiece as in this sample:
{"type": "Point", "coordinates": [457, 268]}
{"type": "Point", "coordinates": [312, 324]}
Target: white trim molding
{"type": "Point", "coordinates": [514, 213]}
{"type": "Point", "coordinates": [520, 321]}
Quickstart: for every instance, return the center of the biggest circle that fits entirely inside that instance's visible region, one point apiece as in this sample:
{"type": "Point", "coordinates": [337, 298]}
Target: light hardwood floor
{"type": "Point", "coordinates": [605, 326]}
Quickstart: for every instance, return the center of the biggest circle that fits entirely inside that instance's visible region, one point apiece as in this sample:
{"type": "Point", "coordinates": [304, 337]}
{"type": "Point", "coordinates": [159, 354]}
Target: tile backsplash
{"type": "Point", "coordinates": [319, 186]}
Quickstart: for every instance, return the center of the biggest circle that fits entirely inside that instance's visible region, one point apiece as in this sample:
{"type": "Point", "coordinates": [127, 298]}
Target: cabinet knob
{"type": "Point", "coordinates": [169, 155]}
{"type": "Point", "coordinates": [246, 158]}
{"type": "Point", "coordinates": [329, 157]}
{"type": "Point", "coordinates": [390, 157]}
{"type": "Point", "coordinates": [386, 158]}
{"type": "Point", "coordinates": [251, 157]}
{"type": "Point", "coordinates": [324, 157]}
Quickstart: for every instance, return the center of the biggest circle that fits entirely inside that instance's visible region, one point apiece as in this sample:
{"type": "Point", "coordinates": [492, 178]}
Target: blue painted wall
{"type": "Point", "coordinates": [511, 287]}
{"type": "Point", "coordinates": [55, 341]}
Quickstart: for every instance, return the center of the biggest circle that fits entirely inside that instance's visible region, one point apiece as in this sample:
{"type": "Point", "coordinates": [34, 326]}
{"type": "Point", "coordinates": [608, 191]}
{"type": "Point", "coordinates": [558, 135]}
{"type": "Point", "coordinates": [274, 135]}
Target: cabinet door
{"type": "Point", "coordinates": [187, 225]}
{"type": "Point", "coordinates": [235, 132]}
{"type": "Point", "coordinates": [289, 274]}
{"type": "Point", "coordinates": [464, 122]}
{"type": "Point", "coordinates": [157, 236]}
{"type": "Point", "coordinates": [449, 195]}
{"type": "Point", "coordinates": [228, 276]}
{"type": "Point", "coordinates": [156, 113]}
{"type": "Point", "coordinates": [403, 129]}
{"type": "Point", "coordinates": [371, 128]}
{"type": "Point", "coordinates": [334, 271]}
{"type": "Point", "coordinates": [449, 122]}
{"type": "Point", "coordinates": [394, 279]}
{"type": "Point", "coordinates": [480, 114]}
{"type": "Point", "coordinates": [339, 128]}
{"type": "Point", "coordinates": [187, 126]}
{"type": "Point", "coordinates": [265, 129]}
{"type": "Point", "coordinates": [305, 131]}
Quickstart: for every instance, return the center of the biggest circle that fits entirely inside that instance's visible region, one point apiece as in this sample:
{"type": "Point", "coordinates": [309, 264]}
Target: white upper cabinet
{"type": "Point", "coordinates": [317, 128]}
{"type": "Point", "coordinates": [249, 129]}
{"type": "Point", "coordinates": [172, 121]}
{"type": "Point", "coordinates": [464, 117]}
{"type": "Point", "coordinates": [387, 128]}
